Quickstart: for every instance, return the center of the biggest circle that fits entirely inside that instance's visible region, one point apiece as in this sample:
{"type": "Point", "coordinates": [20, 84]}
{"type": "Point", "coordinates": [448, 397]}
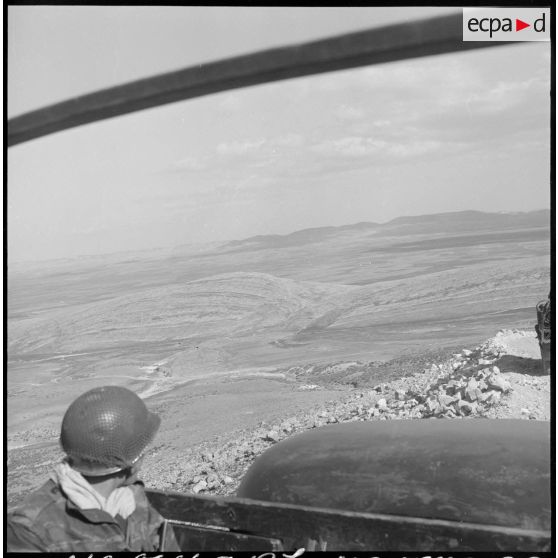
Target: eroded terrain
{"type": "Point", "coordinates": [221, 338]}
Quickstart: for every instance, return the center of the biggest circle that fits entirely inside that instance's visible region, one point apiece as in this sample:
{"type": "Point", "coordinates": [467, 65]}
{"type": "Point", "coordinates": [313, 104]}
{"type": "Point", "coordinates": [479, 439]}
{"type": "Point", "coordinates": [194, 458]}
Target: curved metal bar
{"type": "Point", "coordinates": [374, 46]}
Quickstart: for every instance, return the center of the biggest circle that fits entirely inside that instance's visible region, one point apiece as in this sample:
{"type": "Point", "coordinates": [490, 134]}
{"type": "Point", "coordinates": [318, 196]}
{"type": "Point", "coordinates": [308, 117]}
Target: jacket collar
{"type": "Point", "coordinates": [94, 515]}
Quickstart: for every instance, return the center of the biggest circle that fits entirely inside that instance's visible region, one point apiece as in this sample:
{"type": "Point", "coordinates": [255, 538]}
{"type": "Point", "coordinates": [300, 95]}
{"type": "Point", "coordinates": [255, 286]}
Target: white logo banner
{"type": "Point", "coordinates": [506, 24]}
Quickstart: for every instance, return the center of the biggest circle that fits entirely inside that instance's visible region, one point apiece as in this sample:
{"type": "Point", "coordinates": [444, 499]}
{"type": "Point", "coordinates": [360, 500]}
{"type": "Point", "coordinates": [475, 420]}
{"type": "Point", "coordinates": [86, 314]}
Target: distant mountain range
{"type": "Point", "coordinates": [450, 224]}
{"type": "Point", "coordinates": [443, 223]}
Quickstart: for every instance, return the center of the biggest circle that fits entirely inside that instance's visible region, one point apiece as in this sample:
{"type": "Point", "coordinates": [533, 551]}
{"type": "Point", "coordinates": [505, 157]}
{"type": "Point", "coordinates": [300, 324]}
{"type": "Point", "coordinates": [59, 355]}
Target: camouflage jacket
{"type": "Point", "coordinates": [48, 522]}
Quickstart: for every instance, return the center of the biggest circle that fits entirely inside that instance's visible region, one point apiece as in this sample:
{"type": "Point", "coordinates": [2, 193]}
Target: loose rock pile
{"type": "Point", "coordinates": [473, 385]}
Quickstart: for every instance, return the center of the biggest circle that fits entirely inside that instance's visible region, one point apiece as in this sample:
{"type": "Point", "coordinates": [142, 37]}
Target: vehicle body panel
{"type": "Point", "coordinates": [494, 472]}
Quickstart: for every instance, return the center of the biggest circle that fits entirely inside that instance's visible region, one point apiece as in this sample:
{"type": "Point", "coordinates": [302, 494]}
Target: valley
{"type": "Point", "coordinates": [210, 335]}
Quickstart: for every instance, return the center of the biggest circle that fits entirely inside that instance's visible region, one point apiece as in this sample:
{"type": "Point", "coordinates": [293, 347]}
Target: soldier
{"type": "Point", "coordinates": [544, 331]}
{"type": "Point", "coordinates": [93, 501]}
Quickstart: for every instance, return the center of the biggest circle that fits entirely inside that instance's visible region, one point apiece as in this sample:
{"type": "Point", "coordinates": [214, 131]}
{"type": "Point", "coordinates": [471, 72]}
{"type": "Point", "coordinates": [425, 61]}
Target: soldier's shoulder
{"type": "Point", "coordinates": [140, 494]}
{"type": "Point", "coordinates": [143, 505]}
{"type": "Point", "coordinates": [44, 500]}
{"type": "Point", "coordinates": [138, 488]}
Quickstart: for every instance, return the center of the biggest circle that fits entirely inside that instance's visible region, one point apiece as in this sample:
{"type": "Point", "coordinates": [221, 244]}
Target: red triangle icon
{"type": "Point", "coordinates": [519, 25]}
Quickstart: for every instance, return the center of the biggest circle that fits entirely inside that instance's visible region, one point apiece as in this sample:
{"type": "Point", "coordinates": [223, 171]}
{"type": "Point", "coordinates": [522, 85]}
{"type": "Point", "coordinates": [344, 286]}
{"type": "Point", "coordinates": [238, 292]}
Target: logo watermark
{"type": "Point", "coordinates": [506, 24]}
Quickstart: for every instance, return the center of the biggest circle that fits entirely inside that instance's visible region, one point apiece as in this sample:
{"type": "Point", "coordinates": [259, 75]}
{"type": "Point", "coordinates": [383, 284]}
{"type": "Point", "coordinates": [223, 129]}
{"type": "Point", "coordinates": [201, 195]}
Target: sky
{"type": "Point", "coordinates": [442, 133]}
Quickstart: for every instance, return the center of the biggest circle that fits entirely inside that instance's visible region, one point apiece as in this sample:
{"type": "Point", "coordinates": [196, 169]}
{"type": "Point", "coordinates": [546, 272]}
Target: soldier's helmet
{"type": "Point", "coordinates": [107, 430]}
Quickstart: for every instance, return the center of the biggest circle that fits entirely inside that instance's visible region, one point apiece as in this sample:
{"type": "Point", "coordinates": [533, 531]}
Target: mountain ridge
{"type": "Point", "coordinates": [447, 221]}
{"type": "Point", "coordinates": [426, 223]}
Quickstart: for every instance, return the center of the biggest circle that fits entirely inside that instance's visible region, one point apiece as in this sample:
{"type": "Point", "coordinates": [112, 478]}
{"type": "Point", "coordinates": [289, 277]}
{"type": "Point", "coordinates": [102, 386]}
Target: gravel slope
{"type": "Point", "coordinates": [502, 378]}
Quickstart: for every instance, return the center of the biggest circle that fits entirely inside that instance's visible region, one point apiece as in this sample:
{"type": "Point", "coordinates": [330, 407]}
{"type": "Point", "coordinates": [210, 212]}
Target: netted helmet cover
{"type": "Point", "coordinates": [106, 430]}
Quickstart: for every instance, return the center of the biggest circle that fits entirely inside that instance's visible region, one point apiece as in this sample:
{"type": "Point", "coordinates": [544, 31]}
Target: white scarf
{"type": "Point", "coordinates": [120, 501]}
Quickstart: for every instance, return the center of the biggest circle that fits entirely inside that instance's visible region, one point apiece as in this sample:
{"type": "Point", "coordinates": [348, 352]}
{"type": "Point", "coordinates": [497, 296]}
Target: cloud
{"type": "Point", "coordinates": [382, 123]}
{"type": "Point", "coordinates": [380, 116]}
{"type": "Point", "coordinates": [349, 112]}
{"type": "Point", "coordinates": [288, 140]}
{"type": "Point", "coordinates": [260, 146]}
{"type": "Point", "coordinates": [413, 149]}
{"type": "Point", "coordinates": [189, 164]}
{"type": "Point", "coordinates": [505, 112]}
{"type": "Point", "coordinates": [356, 147]}
{"type": "Point", "coordinates": [352, 146]}
{"type": "Point", "coordinates": [241, 147]}
{"type": "Point", "coordinates": [504, 95]}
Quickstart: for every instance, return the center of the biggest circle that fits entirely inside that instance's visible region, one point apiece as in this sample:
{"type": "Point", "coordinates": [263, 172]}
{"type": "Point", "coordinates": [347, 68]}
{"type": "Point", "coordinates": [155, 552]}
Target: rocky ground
{"type": "Point", "coordinates": [502, 378]}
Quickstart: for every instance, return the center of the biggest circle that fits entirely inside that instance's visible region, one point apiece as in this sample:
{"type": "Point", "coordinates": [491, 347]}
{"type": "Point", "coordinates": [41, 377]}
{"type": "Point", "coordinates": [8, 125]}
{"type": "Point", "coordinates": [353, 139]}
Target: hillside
{"type": "Point", "coordinates": [227, 303]}
{"type": "Point", "coordinates": [501, 378]}
{"type": "Point", "coordinates": [236, 330]}
{"type": "Point", "coordinates": [350, 254]}
{"type": "Point", "coordinates": [208, 452]}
